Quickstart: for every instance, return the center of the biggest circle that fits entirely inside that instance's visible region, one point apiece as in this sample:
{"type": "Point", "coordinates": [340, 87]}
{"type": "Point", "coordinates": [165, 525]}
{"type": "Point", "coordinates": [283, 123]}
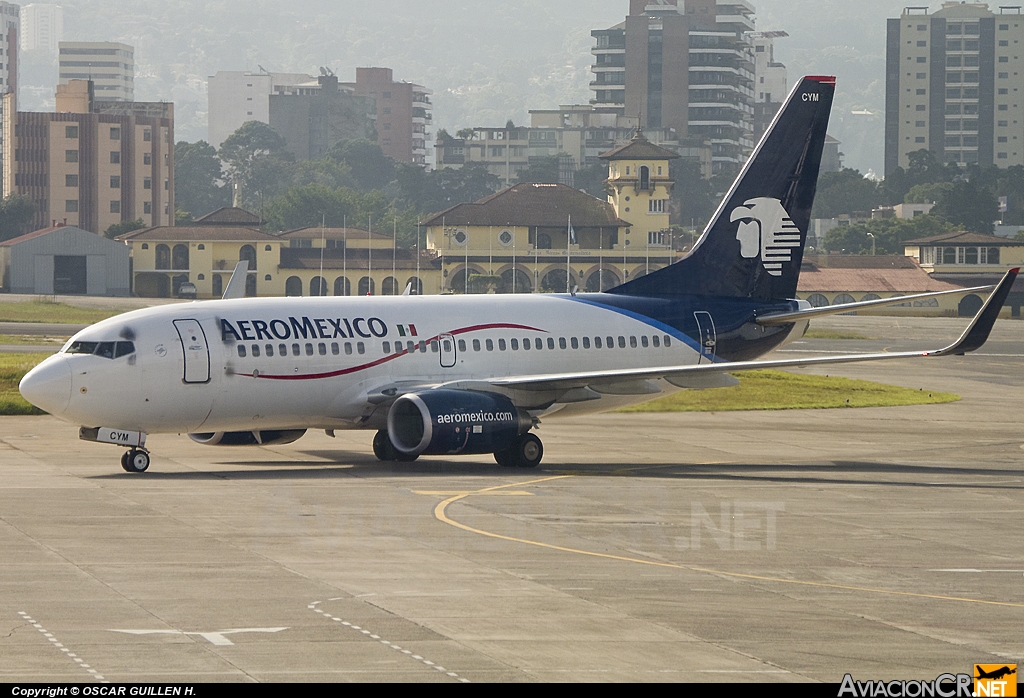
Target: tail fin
{"type": "Point", "coordinates": [753, 246]}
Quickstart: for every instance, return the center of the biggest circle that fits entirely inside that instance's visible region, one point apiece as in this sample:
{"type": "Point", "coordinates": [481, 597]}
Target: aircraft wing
{"type": "Point", "coordinates": [796, 315]}
{"type": "Point", "coordinates": [973, 337]}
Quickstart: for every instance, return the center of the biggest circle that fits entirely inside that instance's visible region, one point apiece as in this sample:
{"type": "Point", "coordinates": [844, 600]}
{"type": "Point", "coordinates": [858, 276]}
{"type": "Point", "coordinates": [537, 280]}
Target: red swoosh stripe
{"type": "Point", "coordinates": [391, 357]}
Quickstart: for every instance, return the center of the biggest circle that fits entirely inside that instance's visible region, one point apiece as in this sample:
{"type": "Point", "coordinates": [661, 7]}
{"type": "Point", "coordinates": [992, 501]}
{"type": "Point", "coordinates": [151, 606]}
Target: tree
{"type": "Point", "coordinates": [16, 214]}
{"type": "Point", "coordinates": [198, 181]}
{"type": "Point", "coordinates": [257, 161]}
{"type": "Point", "coordinates": [591, 179]}
{"type": "Point", "coordinates": [371, 168]}
{"type": "Point", "coordinates": [890, 234]}
{"type": "Point", "coordinates": [124, 227]}
{"type": "Point", "coordinates": [429, 192]}
{"type": "Point", "coordinates": [927, 193]}
{"type": "Point", "coordinates": [968, 205]}
{"type": "Point", "coordinates": [844, 192]}
{"type": "Point", "coordinates": [695, 194]}
{"type": "Point", "coordinates": [312, 204]}
{"type": "Point", "coordinates": [542, 169]}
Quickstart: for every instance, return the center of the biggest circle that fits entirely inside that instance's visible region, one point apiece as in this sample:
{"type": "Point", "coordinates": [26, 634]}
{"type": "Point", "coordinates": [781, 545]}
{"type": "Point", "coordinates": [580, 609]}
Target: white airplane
{"type": "Point", "coordinates": [442, 375]}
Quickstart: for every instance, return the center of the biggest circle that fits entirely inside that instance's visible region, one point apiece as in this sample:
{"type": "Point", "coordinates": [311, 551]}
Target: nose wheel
{"type": "Point", "coordinates": [135, 461]}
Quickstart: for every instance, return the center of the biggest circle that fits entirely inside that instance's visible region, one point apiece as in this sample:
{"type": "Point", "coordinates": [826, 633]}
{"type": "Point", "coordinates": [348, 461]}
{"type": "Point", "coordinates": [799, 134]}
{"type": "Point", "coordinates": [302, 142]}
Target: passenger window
{"type": "Point", "coordinates": [322, 348]}
{"type": "Point", "coordinates": [282, 349]}
{"type": "Point", "coordinates": [515, 344]}
{"type": "Point", "coordinates": [423, 346]}
{"type": "Point", "coordinates": [360, 347]}
{"type": "Point", "coordinates": [610, 342]}
{"type": "Point", "coordinates": [476, 345]}
{"type": "Point", "coordinates": [387, 347]}
{"type": "Point", "coordinates": [575, 343]}
{"type": "Point", "coordinates": [462, 345]}
{"type": "Point", "coordinates": [348, 347]}
{"type": "Point", "coordinates": [334, 348]}
{"type": "Point", "coordinates": [632, 342]}
{"type": "Point", "coordinates": [410, 347]}
{"type": "Point", "coordinates": [643, 341]}
{"type": "Point", "coordinates": [255, 350]}
{"type": "Point", "coordinates": [447, 345]}
{"type": "Point", "coordinates": [656, 341]}
{"type": "Point", "coordinates": [398, 348]}
{"type": "Point", "coordinates": [295, 350]}
{"type": "Point", "coordinates": [501, 344]}
{"type": "Point", "coordinates": [586, 342]}
{"type": "Point", "coordinates": [597, 342]}
{"type": "Point", "coordinates": [241, 350]}
{"type": "Point", "coordinates": [124, 348]}
{"type": "Point", "coordinates": [490, 345]}
{"type": "Point", "coordinates": [270, 350]}
{"type": "Point", "coordinates": [309, 349]}
{"type": "Point", "coordinates": [106, 350]}
{"type": "Point", "coordinates": [526, 343]}
{"type": "Point", "coordinates": [668, 341]}
{"type": "Point", "coordinates": [561, 342]}
{"type": "Point", "coordinates": [622, 342]}
{"type": "Point", "coordinates": [435, 346]}
{"type": "Point", "coordinates": [551, 342]}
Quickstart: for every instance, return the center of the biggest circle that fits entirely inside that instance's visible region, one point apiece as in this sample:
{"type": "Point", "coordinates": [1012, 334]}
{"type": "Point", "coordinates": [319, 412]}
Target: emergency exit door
{"type": "Point", "coordinates": [196, 351]}
{"type": "Point", "coordinates": [708, 340]}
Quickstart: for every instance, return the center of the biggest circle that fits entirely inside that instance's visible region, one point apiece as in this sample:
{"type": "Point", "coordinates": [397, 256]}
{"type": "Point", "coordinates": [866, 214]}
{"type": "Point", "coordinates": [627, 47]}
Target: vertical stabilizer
{"type": "Point", "coordinates": [753, 246]}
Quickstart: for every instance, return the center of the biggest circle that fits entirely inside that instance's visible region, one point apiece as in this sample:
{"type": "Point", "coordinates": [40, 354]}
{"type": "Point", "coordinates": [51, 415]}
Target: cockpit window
{"type": "Point", "coordinates": [108, 350]}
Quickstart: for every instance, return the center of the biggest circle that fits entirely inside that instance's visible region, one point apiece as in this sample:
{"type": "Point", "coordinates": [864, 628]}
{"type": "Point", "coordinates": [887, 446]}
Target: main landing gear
{"type": "Point", "coordinates": [386, 451]}
{"type": "Point", "coordinates": [526, 452]}
{"type": "Point", "coordinates": [135, 461]}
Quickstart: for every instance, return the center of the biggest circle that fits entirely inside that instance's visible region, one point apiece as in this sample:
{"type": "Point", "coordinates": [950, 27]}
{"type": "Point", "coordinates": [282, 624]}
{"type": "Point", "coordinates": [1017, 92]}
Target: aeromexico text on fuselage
{"type": "Point", "coordinates": [309, 328]}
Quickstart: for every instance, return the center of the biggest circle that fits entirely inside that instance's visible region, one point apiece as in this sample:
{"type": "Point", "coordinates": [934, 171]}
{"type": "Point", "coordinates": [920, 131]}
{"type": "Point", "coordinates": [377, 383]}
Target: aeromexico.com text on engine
{"type": "Point", "coordinates": [475, 417]}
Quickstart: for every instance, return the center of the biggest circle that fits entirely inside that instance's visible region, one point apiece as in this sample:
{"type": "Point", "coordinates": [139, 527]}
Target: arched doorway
{"type": "Point", "coordinates": [293, 286]}
{"type": "Point", "coordinates": [554, 281]}
{"type": "Point", "coordinates": [969, 306]}
{"type": "Point", "coordinates": [601, 281]}
{"type": "Point", "coordinates": [179, 257]}
{"type": "Point", "coordinates": [317, 286]}
{"type": "Point", "coordinates": [176, 283]}
{"type": "Point", "coordinates": [342, 286]}
{"type": "Point", "coordinates": [389, 287]}
{"type": "Point", "coordinates": [218, 285]}
{"type": "Point", "coordinates": [163, 257]}
{"type": "Point", "coordinates": [248, 253]}
{"type": "Point", "coordinates": [417, 286]}
{"type": "Point", "coordinates": [366, 286]}
{"type": "Point", "coordinates": [523, 282]}
{"type": "Point", "coordinates": [250, 285]}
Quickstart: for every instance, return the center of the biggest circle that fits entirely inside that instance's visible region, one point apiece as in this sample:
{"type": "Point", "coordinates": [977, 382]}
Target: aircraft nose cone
{"type": "Point", "coordinates": [48, 385]}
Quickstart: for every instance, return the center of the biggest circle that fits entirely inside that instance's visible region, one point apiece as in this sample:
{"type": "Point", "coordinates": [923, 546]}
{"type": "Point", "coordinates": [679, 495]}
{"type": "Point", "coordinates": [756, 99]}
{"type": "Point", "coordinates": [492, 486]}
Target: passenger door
{"type": "Point", "coordinates": [708, 340]}
{"type": "Point", "coordinates": [448, 351]}
{"type": "Point", "coordinates": [196, 351]}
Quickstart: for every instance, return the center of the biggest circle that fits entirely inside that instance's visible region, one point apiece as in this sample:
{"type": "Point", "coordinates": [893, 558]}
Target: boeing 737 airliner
{"type": "Point", "coordinates": [440, 375]}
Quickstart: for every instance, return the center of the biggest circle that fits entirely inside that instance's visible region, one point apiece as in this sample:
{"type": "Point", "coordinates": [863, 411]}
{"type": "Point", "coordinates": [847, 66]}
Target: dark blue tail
{"type": "Point", "coordinates": [753, 246]}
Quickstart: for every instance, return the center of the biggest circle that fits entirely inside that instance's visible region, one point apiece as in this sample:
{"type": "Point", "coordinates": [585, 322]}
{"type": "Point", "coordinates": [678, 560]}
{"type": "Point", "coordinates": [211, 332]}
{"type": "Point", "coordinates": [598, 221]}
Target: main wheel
{"type": "Point", "coordinates": [137, 461]}
{"type": "Point", "coordinates": [383, 448]}
{"type": "Point", "coordinates": [506, 459]}
{"type": "Point", "coordinates": [124, 461]}
{"type": "Point", "coordinates": [529, 451]}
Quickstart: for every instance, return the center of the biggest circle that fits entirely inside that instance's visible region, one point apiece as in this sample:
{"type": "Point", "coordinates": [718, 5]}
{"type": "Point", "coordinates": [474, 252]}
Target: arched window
{"type": "Point", "coordinates": [293, 286]}
{"type": "Point", "coordinates": [342, 287]}
{"type": "Point", "coordinates": [417, 286]}
{"type": "Point", "coordinates": [554, 281]}
{"type": "Point", "coordinates": [969, 306]}
{"type": "Point", "coordinates": [218, 285]}
{"type": "Point", "coordinates": [366, 286]}
{"type": "Point", "coordinates": [389, 287]}
{"type": "Point", "coordinates": [993, 255]}
{"type": "Point", "coordinates": [317, 286]}
{"type": "Point", "coordinates": [645, 177]}
{"type": "Point", "coordinates": [543, 241]}
{"type": "Point", "coordinates": [179, 257]}
{"type": "Point", "coordinates": [163, 256]}
{"type": "Point", "coordinates": [871, 297]}
{"type": "Point", "coordinates": [843, 299]}
{"type": "Point", "coordinates": [602, 281]}
{"type": "Point", "coordinates": [817, 300]}
{"type": "Point", "coordinates": [248, 252]}
{"type": "Point", "coordinates": [523, 283]}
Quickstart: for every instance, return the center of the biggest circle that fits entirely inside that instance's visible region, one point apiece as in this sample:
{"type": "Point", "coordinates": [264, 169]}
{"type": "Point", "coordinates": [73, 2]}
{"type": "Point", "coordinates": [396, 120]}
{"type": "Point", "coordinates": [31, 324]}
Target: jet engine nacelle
{"type": "Point", "coordinates": [266, 437]}
{"type": "Point", "coordinates": [442, 422]}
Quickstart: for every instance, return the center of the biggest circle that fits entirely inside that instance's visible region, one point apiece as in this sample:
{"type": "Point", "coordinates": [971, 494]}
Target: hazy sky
{"type": "Point", "coordinates": [486, 62]}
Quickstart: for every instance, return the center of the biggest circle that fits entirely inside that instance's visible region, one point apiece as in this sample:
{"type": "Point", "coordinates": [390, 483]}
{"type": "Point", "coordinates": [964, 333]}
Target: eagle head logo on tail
{"type": "Point", "coordinates": [765, 228]}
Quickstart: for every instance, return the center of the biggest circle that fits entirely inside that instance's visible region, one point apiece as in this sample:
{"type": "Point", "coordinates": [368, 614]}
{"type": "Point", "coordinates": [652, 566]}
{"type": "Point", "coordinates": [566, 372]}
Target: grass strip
{"type": "Point", "coordinates": [13, 368]}
{"type": "Point", "coordinates": [52, 312]}
{"type": "Point", "coordinates": [778, 390]}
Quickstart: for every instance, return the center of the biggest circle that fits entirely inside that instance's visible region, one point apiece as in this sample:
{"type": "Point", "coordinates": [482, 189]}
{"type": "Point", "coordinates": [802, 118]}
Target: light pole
{"type": "Point", "coordinates": [872, 244]}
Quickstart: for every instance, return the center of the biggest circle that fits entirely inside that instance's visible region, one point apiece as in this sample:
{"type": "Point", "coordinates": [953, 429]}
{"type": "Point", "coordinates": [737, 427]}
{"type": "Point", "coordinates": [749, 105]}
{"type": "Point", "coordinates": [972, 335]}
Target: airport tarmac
{"type": "Point", "coordinates": [743, 546]}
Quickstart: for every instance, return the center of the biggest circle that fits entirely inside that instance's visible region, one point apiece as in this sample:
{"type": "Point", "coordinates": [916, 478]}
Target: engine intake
{"type": "Point", "coordinates": [443, 422]}
{"type": "Point", "coordinates": [257, 437]}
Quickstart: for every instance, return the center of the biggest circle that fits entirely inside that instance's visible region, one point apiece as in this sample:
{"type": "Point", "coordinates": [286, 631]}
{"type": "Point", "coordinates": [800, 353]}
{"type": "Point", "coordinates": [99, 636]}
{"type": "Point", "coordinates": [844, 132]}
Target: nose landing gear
{"type": "Point", "coordinates": [135, 461]}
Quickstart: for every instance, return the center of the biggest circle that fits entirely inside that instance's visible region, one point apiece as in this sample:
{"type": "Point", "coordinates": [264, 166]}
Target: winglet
{"type": "Point", "coordinates": [236, 284]}
{"type": "Point", "coordinates": [977, 332]}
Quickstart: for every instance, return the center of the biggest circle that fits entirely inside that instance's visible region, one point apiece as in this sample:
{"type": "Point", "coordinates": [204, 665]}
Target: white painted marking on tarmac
{"type": "Point", "coordinates": [975, 571]}
{"type": "Point", "coordinates": [49, 636]}
{"type": "Point", "coordinates": [214, 638]}
{"type": "Point", "coordinates": [384, 642]}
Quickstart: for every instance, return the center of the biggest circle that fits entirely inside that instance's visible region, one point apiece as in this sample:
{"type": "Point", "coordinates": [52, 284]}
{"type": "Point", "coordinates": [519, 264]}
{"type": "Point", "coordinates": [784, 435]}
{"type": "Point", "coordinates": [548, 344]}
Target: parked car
{"type": "Point", "coordinates": [187, 290]}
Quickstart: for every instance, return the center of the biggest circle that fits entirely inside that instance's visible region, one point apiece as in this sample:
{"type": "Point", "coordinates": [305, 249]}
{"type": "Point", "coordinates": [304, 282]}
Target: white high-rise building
{"type": "Point", "coordinates": [42, 27]}
{"type": "Point", "coordinates": [236, 97]}
{"type": "Point", "coordinates": [110, 66]}
{"type": "Point", "coordinates": [10, 29]}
